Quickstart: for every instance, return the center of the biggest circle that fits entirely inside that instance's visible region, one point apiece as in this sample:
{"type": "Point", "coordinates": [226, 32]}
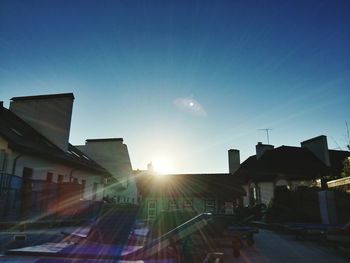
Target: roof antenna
{"type": "Point", "coordinates": [339, 148]}
{"type": "Point", "coordinates": [267, 134]}
{"type": "Point", "coordinates": [347, 132]}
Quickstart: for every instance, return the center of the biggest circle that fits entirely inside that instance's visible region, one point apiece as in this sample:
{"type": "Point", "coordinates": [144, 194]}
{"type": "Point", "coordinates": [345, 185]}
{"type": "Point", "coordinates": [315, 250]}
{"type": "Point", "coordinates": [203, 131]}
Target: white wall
{"type": "Point", "coordinates": [42, 166]}
{"type": "Point", "coordinates": [113, 155]}
{"type": "Point", "coordinates": [266, 191]}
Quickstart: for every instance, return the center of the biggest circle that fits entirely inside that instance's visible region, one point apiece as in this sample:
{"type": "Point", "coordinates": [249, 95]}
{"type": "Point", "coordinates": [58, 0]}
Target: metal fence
{"type": "Point", "coordinates": [43, 197]}
{"type": "Point", "coordinates": [44, 201]}
{"type": "Point", "coordinates": [10, 196]}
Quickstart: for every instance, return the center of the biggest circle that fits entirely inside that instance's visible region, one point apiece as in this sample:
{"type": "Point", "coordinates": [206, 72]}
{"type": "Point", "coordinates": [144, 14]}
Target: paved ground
{"type": "Point", "coordinates": [270, 247]}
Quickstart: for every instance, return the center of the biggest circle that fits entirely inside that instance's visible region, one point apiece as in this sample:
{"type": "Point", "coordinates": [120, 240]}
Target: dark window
{"type": "Point", "coordinates": [83, 183]}
{"type": "Point", "coordinates": [209, 206]}
{"type": "Point", "coordinates": [188, 203]}
{"type": "Point", "coordinates": [94, 191]}
{"type": "Point", "coordinates": [60, 178]}
{"type": "Point", "coordinates": [172, 204]}
{"type": "Point", "coordinates": [49, 177]}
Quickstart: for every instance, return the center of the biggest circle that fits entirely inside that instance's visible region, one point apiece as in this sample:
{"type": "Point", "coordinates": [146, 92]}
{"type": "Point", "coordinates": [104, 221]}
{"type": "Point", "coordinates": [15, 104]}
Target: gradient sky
{"type": "Point", "coordinates": [185, 80]}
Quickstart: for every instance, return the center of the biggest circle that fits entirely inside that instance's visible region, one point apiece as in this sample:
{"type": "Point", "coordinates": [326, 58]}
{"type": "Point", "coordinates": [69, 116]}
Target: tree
{"type": "Point", "coordinates": [346, 168]}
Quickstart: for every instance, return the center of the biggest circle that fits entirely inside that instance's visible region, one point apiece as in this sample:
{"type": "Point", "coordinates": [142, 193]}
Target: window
{"type": "Point", "coordinates": [172, 204]}
{"type": "Point", "coordinates": [257, 194]}
{"type": "Point", "coordinates": [60, 178]}
{"type": "Point", "coordinates": [209, 205]}
{"type": "Point", "coordinates": [2, 160]}
{"type": "Point", "coordinates": [188, 203]}
{"type": "Point", "coordinates": [83, 183]}
{"type": "Point", "coordinates": [254, 195]}
{"type": "Point", "coordinates": [94, 191]}
{"type": "Point", "coordinates": [49, 177]}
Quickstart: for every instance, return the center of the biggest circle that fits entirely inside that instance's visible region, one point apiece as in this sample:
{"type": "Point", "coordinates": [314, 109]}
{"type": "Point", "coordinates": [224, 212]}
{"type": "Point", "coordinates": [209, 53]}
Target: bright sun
{"type": "Point", "coordinates": [162, 165]}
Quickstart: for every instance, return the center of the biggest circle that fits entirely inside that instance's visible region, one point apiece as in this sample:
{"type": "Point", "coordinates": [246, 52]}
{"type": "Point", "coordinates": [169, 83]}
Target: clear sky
{"type": "Point", "coordinates": [185, 81]}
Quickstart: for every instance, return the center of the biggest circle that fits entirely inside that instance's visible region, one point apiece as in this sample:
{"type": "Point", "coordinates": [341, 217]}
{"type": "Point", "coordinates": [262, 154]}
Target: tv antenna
{"type": "Point", "coordinates": [267, 134]}
{"type": "Point", "coordinates": [348, 136]}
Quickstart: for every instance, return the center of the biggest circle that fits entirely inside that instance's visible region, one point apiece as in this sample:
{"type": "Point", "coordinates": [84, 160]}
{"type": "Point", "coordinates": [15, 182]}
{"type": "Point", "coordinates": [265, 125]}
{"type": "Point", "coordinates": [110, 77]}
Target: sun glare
{"type": "Point", "coordinates": [162, 165]}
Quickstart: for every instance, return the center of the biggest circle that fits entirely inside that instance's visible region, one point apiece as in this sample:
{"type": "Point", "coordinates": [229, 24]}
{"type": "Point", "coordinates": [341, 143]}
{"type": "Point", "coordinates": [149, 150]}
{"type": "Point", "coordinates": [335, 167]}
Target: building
{"type": "Point", "coordinates": [194, 193]}
{"type": "Point", "coordinates": [41, 172]}
{"type": "Point", "coordinates": [113, 155]}
{"type": "Point", "coordinates": [288, 166]}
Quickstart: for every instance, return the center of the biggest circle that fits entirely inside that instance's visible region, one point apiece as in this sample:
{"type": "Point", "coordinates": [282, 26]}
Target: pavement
{"type": "Point", "coordinates": [272, 247]}
{"type": "Point", "coordinates": [269, 247]}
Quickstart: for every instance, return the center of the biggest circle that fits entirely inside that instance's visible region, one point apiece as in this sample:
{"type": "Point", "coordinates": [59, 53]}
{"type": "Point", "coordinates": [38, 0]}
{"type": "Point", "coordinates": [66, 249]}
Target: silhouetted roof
{"type": "Point", "coordinates": [25, 139]}
{"type": "Point", "coordinates": [105, 140]}
{"type": "Point", "coordinates": [190, 185]}
{"type": "Point", "coordinates": [39, 97]}
{"type": "Point", "coordinates": [295, 163]}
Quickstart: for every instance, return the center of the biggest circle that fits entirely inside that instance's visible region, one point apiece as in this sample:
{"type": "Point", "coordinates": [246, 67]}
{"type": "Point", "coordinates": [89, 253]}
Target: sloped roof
{"type": "Point", "coordinates": [191, 185]}
{"type": "Point", "coordinates": [295, 163]}
{"type": "Point", "coordinates": [25, 139]}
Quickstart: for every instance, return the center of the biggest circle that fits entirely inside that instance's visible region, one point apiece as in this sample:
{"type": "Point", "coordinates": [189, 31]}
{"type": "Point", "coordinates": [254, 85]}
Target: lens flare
{"type": "Point", "coordinates": [191, 106]}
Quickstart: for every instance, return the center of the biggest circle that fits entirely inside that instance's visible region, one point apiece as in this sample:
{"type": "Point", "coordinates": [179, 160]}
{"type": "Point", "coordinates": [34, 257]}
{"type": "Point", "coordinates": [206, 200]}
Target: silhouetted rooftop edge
{"type": "Point", "coordinates": [104, 140]}
{"type": "Point", "coordinates": [23, 137]}
{"type": "Point", "coordinates": [39, 97]}
{"type": "Point", "coordinates": [314, 139]}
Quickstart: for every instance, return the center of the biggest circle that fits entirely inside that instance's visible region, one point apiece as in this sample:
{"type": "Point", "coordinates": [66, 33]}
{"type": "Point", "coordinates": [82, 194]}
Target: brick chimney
{"type": "Point", "coordinates": [262, 148]}
{"type": "Point", "coordinates": [234, 161]}
{"type": "Point", "coordinates": [48, 114]}
{"type": "Point", "coordinates": [319, 147]}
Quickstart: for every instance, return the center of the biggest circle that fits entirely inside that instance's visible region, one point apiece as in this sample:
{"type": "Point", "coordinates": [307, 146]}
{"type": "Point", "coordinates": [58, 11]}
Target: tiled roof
{"type": "Point", "coordinates": [200, 185]}
{"type": "Point", "coordinates": [24, 138]}
{"type": "Point", "coordinates": [295, 163]}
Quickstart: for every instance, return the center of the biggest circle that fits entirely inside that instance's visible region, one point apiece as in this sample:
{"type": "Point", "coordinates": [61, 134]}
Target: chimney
{"type": "Point", "coordinates": [49, 114]}
{"type": "Point", "coordinates": [1, 104]}
{"type": "Point", "coordinates": [112, 154]}
{"type": "Point", "coordinates": [262, 148]}
{"type": "Point", "coordinates": [233, 160]}
{"type": "Point", "coordinates": [150, 167]}
{"type": "Point", "coordinates": [319, 147]}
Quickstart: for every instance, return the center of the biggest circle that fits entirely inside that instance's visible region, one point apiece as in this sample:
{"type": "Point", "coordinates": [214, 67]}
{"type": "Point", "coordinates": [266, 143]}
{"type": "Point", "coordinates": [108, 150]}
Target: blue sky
{"type": "Point", "coordinates": [246, 65]}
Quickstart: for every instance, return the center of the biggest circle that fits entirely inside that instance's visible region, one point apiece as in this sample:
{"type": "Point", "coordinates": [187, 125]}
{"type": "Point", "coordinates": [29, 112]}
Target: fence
{"type": "Point", "coordinates": [42, 201]}
{"type": "Point", "coordinates": [303, 205]}
{"type": "Point", "coordinates": [10, 197]}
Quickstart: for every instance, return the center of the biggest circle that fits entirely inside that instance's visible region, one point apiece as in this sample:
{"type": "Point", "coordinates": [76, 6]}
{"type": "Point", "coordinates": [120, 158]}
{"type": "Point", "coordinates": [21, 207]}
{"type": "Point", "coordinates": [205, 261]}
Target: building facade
{"type": "Point", "coordinates": [311, 164]}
